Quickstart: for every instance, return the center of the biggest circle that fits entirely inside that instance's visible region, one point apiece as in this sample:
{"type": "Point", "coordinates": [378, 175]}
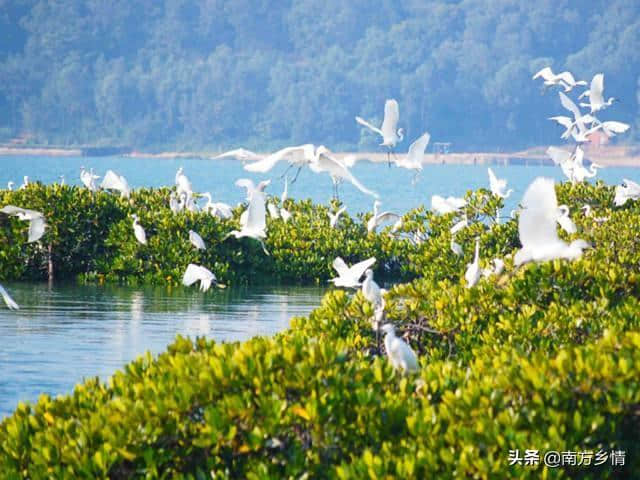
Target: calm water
{"type": "Point", "coordinates": [218, 177]}
{"type": "Point", "coordinates": [64, 333]}
{"type": "Point", "coordinates": [68, 332]}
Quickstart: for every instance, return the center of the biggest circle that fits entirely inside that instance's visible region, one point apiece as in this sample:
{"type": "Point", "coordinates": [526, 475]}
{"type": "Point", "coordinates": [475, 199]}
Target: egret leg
{"type": "Point", "coordinates": [296, 176]}
{"type": "Point", "coordinates": [288, 168]}
{"type": "Point", "coordinates": [264, 249]}
{"type": "Point", "coordinates": [414, 180]}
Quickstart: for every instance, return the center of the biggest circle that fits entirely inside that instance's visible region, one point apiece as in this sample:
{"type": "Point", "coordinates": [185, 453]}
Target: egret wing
{"type": "Point", "coordinates": [192, 275]}
{"type": "Point", "coordinates": [358, 269]}
{"type": "Point", "coordinates": [11, 304]}
{"type": "Point", "coordinates": [596, 89]}
{"type": "Point", "coordinates": [537, 220]}
{"type": "Point", "coordinates": [570, 105]}
{"type": "Point", "coordinates": [36, 229]}
{"type": "Point", "coordinates": [340, 266]}
{"type": "Point", "coordinates": [363, 122]}
{"type": "Point", "coordinates": [415, 154]}
{"type": "Point", "coordinates": [391, 117]}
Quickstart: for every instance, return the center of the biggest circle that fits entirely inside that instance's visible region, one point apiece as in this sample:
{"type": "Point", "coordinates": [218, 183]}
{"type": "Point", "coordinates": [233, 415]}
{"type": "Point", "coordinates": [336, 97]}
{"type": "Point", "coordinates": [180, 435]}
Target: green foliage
{"type": "Point", "coordinates": [543, 357]}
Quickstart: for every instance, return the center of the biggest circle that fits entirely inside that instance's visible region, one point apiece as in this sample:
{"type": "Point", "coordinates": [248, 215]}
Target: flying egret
{"type": "Point", "coordinates": [241, 154]}
{"type": "Point", "coordinates": [472, 275]}
{"type": "Point", "coordinates": [113, 181]}
{"type": "Point", "coordinates": [195, 273]}
{"type": "Point", "coordinates": [596, 97]}
{"type": "Point", "coordinates": [446, 205]}
{"type": "Point", "coordinates": [370, 289]}
{"type": "Point", "coordinates": [390, 136]}
{"type": "Point", "coordinates": [498, 185]}
{"type": "Point", "coordinates": [537, 227]}
{"type": "Point", "coordinates": [611, 127]}
{"type": "Point", "coordinates": [334, 217]}
{"type": "Point", "coordinates": [253, 221]}
{"type": "Point", "coordinates": [378, 219]}
{"type": "Point", "coordinates": [325, 162]}
{"type": "Point", "coordinates": [580, 172]}
{"type": "Point", "coordinates": [349, 277]}
{"type": "Point", "coordinates": [196, 240]}
{"type": "Point", "coordinates": [564, 79]}
{"type": "Point", "coordinates": [399, 352]}
{"type": "Point", "coordinates": [297, 156]}
{"type": "Point", "coordinates": [629, 190]}
{"type": "Point", "coordinates": [11, 304]}
{"type": "Point", "coordinates": [564, 159]}
{"type": "Point", "coordinates": [36, 220]}
{"type": "Point", "coordinates": [138, 231]}
{"type": "Point", "coordinates": [415, 155]}
{"type": "Point", "coordinates": [496, 269]}
{"type": "Point", "coordinates": [89, 179]}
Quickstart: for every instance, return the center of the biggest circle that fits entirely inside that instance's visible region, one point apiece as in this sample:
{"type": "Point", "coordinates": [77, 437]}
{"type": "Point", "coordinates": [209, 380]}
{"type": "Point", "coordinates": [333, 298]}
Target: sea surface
{"type": "Point", "coordinates": [67, 332]}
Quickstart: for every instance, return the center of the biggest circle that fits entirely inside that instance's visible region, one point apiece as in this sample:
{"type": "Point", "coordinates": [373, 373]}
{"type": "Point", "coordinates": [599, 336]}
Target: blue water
{"type": "Point", "coordinates": [218, 177]}
{"type": "Point", "coordinates": [66, 332]}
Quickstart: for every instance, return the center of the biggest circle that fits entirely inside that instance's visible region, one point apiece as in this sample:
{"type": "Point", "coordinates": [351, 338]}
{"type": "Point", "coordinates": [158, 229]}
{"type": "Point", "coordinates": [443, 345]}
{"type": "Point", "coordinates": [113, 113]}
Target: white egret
{"type": "Point", "coordinates": [113, 181]}
{"type": "Point", "coordinates": [390, 136]}
{"type": "Point", "coordinates": [89, 179]}
{"type": "Point", "coordinates": [464, 223]}
{"type": "Point", "coordinates": [25, 182]}
{"type": "Point", "coordinates": [472, 275]}
{"type": "Point", "coordinates": [399, 352]}
{"type": "Point", "coordinates": [334, 217]}
{"type": "Point", "coordinates": [596, 97]}
{"type": "Point", "coordinates": [284, 213]}
{"type": "Point", "coordinates": [297, 156]}
{"type": "Point", "coordinates": [174, 204]}
{"type": "Point", "coordinates": [498, 185]}
{"type": "Point", "coordinates": [580, 172]}
{"type": "Point", "coordinates": [196, 240]}
{"type": "Point", "coordinates": [10, 185]}
{"type": "Point", "coordinates": [36, 221]}
{"type": "Point", "coordinates": [241, 154]}
{"type": "Point", "coordinates": [446, 205]}
{"type": "Point", "coordinates": [349, 277]}
{"type": "Point", "coordinates": [217, 209]}
{"type": "Point", "coordinates": [629, 190]}
{"type": "Point", "coordinates": [195, 273]}
{"type": "Point", "coordinates": [378, 219]}
{"type": "Point", "coordinates": [611, 128]}
{"type": "Point", "coordinates": [325, 162]}
{"type": "Point", "coordinates": [183, 185]}
{"type": "Point", "coordinates": [273, 210]}
{"type": "Point", "coordinates": [138, 231]}
{"type": "Point", "coordinates": [253, 222]}
{"type": "Point", "coordinates": [11, 304]}
{"type": "Point", "coordinates": [586, 209]}
{"type": "Point", "coordinates": [370, 289]}
{"type": "Point", "coordinates": [565, 222]}
{"type": "Point", "coordinates": [456, 247]}
{"type": "Point", "coordinates": [537, 226]}
{"type": "Point", "coordinates": [415, 156]}
{"type": "Point", "coordinates": [564, 159]}
{"type": "Point", "coordinates": [564, 79]}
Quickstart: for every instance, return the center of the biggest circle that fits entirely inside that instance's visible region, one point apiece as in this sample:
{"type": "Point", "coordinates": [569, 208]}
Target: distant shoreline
{"type": "Point", "coordinates": [608, 156]}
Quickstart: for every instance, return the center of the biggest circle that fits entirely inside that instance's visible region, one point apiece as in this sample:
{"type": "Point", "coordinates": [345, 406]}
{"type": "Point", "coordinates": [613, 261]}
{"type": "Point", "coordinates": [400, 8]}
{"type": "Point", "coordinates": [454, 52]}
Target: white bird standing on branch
{"type": "Point", "coordinates": [370, 289]}
{"type": "Point", "coordinates": [253, 221]}
{"type": "Point", "coordinates": [37, 224]}
{"type": "Point", "coordinates": [400, 354]}
{"type": "Point", "coordinates": [390, 136]}
{"type": "Point", "coordinates": [349, 277]}
{"type": "Point", "coordinates": [113, 181]}
{"type": "Point", "coordinates": [629, 190]}
{"type": "Point", "coordinates": [335, 217]}
{"type": "Point", "coordinates": [138, 231]}
{"type": "Point", "coordinates": [11, 304]}
{"type": "Point", "coordinates": [88, 179]}
{"type": "Point", "coordinates": [472, 275]}
{"type": "Point", "coordinates": [195, 273]}
{"type": "Point", "coordinates": [537, 227]}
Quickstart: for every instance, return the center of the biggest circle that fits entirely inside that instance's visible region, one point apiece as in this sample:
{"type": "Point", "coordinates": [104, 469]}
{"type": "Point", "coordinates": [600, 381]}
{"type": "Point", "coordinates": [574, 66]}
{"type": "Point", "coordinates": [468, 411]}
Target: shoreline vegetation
{"type": "Point", "coordinates": [543, 357]}
{"type": "Point", "coordinates": [605, 155]}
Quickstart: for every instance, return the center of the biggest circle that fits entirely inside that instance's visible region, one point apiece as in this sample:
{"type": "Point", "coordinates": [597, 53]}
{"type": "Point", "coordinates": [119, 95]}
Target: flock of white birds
{"type": "Point", "coordinates": [538, 214]}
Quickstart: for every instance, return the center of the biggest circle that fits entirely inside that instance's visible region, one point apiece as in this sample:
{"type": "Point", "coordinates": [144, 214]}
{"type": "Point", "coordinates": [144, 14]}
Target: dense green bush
{"type": "Point", "coordinates": [543, 357]}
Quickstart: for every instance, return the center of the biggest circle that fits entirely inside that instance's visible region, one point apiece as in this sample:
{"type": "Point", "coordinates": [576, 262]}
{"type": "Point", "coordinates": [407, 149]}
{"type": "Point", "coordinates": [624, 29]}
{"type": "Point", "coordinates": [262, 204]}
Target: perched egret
{"type": "Point", "coordinates": [199, 273]}
{"type": "Point", "coordinates": [370, 289]}
{"type": "Point", "coordinates": [586, 209]}
{"type": "Point", "coordinates": [596, 95]}
{"type": "Point", "coordinates": [498, 185]}
{"type": "Point", "coordinates": [273, 210]}
{"type": "Point", "coordinates": [183, 185]}
{"type": "Point", "coordinates": [456, 247]}
{"type": "Point", "coordinates": [36, 220]}
{"type": "Point", "coordinates": [496, 269]}
{"type": "Point", "coordinates": [25, 183]}
{"type": "Point", "coordinates": [378, 219]}
{"type": "Point", "coordinates": [11, 304]}
{"type": "Point", "coordinates": [10, 185]}
{"type": "Point", "coordinates": [400, 354]}
{"type": "Point", "coordinates": [196, 240]}
{"type": "Point", "coordinates": [217, 209]}
{"type": "Point", "coordinates": [565, 222]}
{"type": "Point", "coordinates": [113, 181]}
{"type": "Point", "coordinates": [472, 275]}
{"type": "Point", "coordinates": [334, 217]}
{"type": "Point", "coordinates": [349, 277]}
{"type": "Point", "coordinates": [446, 205]}
{"type": "Point", "coordinates": [138, 231]}
{"type": "Point", "coordinates": [580, 172]}
{"type": "Point", "coordinates": [88, 179]}
{"type": "Point", "coordinates": [390, 136]}
{"type": "Point", "coordinates": [537, 227]}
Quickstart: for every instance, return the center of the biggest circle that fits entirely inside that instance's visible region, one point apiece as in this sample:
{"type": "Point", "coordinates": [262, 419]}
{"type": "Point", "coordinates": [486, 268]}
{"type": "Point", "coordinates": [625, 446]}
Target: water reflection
{"type": "Point", "coordinates": [66, 332]}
